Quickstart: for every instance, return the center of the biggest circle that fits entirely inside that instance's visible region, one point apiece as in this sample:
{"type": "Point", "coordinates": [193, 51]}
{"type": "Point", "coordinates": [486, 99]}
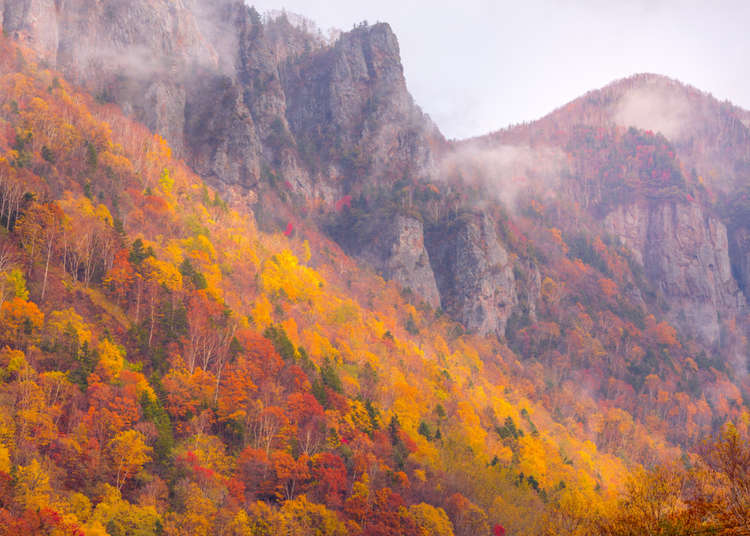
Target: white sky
{"type": "Point", "coordinates": [480, 65]}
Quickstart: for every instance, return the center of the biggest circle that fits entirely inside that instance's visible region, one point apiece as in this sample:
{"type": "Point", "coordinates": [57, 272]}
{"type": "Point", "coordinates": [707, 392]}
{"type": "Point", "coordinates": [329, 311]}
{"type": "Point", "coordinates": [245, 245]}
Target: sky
{"type": "Point", "coordinates": [476, 66]}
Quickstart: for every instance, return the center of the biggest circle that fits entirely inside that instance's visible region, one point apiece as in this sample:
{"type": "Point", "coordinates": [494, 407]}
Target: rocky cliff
{"type": "Point", "coordinates": [739, 248]}
{"type": "Point", "coordinates": [686, 254]}
{"type": "Point", "coordinates": [687, 232]}
{"type": "Point", "coordinates": [300, 122]}
{"type": "Point", "coordinates": [235, 95]}
{"type": "Point", "coordinates": [474, 273]}
{"type": "Point", "coordinates": [257, 105]}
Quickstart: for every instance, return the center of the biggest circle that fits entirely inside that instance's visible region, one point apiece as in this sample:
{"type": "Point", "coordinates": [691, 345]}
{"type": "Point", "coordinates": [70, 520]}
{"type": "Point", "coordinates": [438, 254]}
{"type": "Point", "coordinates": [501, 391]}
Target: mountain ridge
{"type": "Point", "coordinates": [284, 122]}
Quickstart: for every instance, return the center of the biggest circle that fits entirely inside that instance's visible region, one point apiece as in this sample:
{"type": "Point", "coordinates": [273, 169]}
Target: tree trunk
{"type": "Point", "coordinates": [46, 269]}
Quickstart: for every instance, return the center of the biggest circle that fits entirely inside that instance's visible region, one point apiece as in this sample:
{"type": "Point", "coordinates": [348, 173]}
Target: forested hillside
{"type": "Point", "coordinates": [170, 366]}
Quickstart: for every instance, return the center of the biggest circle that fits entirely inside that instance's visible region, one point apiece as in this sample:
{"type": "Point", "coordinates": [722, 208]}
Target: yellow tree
{"type": "Point", "coordinates": [33, 488]}
{"type": "Point", "coordinates": [40, 227]}
{"type": "Point", "coordinates": [430, 520]}
{"type": "Point", "coordinates": [128, 452]}
{"type": "Point", "coordinates": [160, 276]}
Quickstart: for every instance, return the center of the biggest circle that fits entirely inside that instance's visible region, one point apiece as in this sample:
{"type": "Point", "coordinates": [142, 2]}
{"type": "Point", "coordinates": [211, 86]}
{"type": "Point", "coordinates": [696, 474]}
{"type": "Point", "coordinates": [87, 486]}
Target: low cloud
{"type": "Point", "coordinates": [506, 170]}
{"type": "Point", "coordinates": [657, 108]}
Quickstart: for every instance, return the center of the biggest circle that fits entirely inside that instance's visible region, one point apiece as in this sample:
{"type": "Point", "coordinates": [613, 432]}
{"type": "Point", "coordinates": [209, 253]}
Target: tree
{"type": "Point", "coordinates": [300, 517]}
{"type": "Point", "coordinates": [128, 452]}
{"type": "Point", "coordinates": [468, 519]}
{"type": "Point", "coordinates": [210, 331]}
{"type": "Point", "coordinates": [729, 460]}
{"type": "Point", "coordinates": [432, 521]}
{"type": "Point", "coordinates": [255, 470]}
{"type": "Point", "coordinates": [329, 473]}
{"type": "Point", "coordinates": [40, 228]}
{"type": "Point", "coordinates": [20, 321]}
{"type": "Point", "coordinates": [291, 474]}
{"type": "Point", "coordinates": [159, 276]}
{"type": "Point", "coordinates": [33, 488]}
{"type": "Point", "coordinates": [12, 285]}
{"type": "Point", "coordinates": [121, 275]}
{"type": "Point", "coordinates": [381, 513]}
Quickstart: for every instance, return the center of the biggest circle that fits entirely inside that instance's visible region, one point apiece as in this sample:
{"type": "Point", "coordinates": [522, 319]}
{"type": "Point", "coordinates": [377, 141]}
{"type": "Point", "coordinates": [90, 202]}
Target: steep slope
{"type": "Point", "coordinates": [709, 136]}
{"type": "Point", "coordinates": [264, 111]}
{"type": "Point", "coordinates": [686, 253]}
{"type": "Point", "coordinates": [236, 95]}
{"type": "Point", "coordinates": [169, 367]}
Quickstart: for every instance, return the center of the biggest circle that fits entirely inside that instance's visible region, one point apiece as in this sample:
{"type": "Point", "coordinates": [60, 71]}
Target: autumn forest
{"type": "Point", "coordinates": [179, 360]}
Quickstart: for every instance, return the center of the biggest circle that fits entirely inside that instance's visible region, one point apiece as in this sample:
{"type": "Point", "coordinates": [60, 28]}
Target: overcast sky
{"type": "Point", "coordinates": [480, 65]}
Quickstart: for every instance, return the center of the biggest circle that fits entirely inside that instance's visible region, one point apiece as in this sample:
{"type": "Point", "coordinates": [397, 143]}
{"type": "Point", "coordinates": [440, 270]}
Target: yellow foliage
{"type": "Point", "coordinates": [350, 384]}
{"type": "Point", "coordinates": [14, 360]}
{"type": "Point", "coordinates": [283, 275]}
{"type": "Point", "coordinates": [358, 416]}
{"type": "Point", "coordinates": [61, 321]}
{"type": "Point", "coordinates": [113, 511]}
{"type": "Point", "coordinates": [290, 327]}
{"type": "Point", "coordinates": [319, 345]}
{"type": "Point", "coordinates": [306, 253]}
{"type": "Point", "coordinates": [377, 326]}
{"type": "Point", "coordinates": [163, 273]}
{"type": "Point", "coordinates": [128, 451]}
{"type": "Point", "coordinates": [262, 313]}
{"type": "Point", "coordinates": [5, 464]}
{"type": "Point", "coordinates": [80, 506]}
{"type": "Point", "coordinates": [33, 488]}
{"type": "Point", "coordinates": [475, 435]}
{"type": "Point", "coordinates": [533, 458]}
{"type": "Point", "coordinates": [430, 520]}
{"type": "Point", "coordinates": [111, 360]}
{"type": "Point", "coordinates": [209, 451]}
{"type": "Point", "coordinates": [300, 517]}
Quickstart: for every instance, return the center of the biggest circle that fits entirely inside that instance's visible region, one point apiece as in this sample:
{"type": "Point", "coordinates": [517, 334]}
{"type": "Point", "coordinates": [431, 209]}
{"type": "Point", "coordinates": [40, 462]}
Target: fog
{"type": "Point", "coordinates": [654, 108]}
{"type": "Point", "coordinates": [507, 171]}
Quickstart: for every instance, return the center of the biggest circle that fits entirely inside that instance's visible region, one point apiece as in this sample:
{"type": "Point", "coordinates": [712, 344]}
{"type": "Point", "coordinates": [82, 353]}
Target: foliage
{"type": "Point", "coordinates": [167, 368]}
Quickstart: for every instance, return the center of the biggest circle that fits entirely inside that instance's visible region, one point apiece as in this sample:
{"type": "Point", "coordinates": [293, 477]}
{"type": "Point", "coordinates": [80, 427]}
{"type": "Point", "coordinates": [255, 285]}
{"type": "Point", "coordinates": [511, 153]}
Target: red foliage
{"type": "Point", "coordinates": [383, 515]}
{"type": "Point", "coordinates": [345, 201]}
{"type": "Point", "coordinates": [329, 472]}
{"type": "Point", "coordinates": [256, 473]}
{"type": "Point", "coordinates": [36, 522]}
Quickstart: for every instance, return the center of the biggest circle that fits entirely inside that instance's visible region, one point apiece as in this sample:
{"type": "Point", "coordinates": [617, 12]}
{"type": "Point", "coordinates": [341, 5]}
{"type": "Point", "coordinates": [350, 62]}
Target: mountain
{"type": "Point", "coordinates": [683, 223]}
{"type": "Point", "coordinates": [247, 287]}
{"type": "Point", "coordinates": [710, 136]}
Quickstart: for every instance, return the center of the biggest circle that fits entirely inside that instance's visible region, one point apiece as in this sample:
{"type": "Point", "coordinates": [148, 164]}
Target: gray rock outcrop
{"type": "Point", "coordinates": [395, 248]}
{"type": "Point", "coordinates": [234, 94]}
{"type": "Point", "coordinates": [474, 273]}
{"type": "Point", "coordinates": [739, 248]}
{"type": "Point", "coordinates": [685, 253]}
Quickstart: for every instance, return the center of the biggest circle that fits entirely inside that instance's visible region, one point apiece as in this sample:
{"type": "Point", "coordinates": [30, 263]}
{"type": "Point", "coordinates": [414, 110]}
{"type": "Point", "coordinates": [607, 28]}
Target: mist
{"type": "Point", "coordinates": [655, 108]}
{"type": "Point", "coordinates": [506, 171]}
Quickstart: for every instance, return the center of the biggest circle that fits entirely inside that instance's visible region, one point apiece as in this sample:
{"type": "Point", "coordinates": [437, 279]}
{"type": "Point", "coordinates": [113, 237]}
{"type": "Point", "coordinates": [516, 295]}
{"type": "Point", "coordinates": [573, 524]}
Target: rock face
{"type": "Point", "coordinates": [267, 106]}
{"type": "Point", "coordinates": [685, 253]}
{"type": "Point", "coordinates": [395, 248]}
{"type": "Point", "coordinates": [351, 99]}
{"type": "Point", "coordinates": [253, 104]}
{"type": "Point", "coordinates": [474, 273]}
{"type": "Point", "coordinates": [739, 250]}
{"type": "Point", "coordinates": [235, 95]}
